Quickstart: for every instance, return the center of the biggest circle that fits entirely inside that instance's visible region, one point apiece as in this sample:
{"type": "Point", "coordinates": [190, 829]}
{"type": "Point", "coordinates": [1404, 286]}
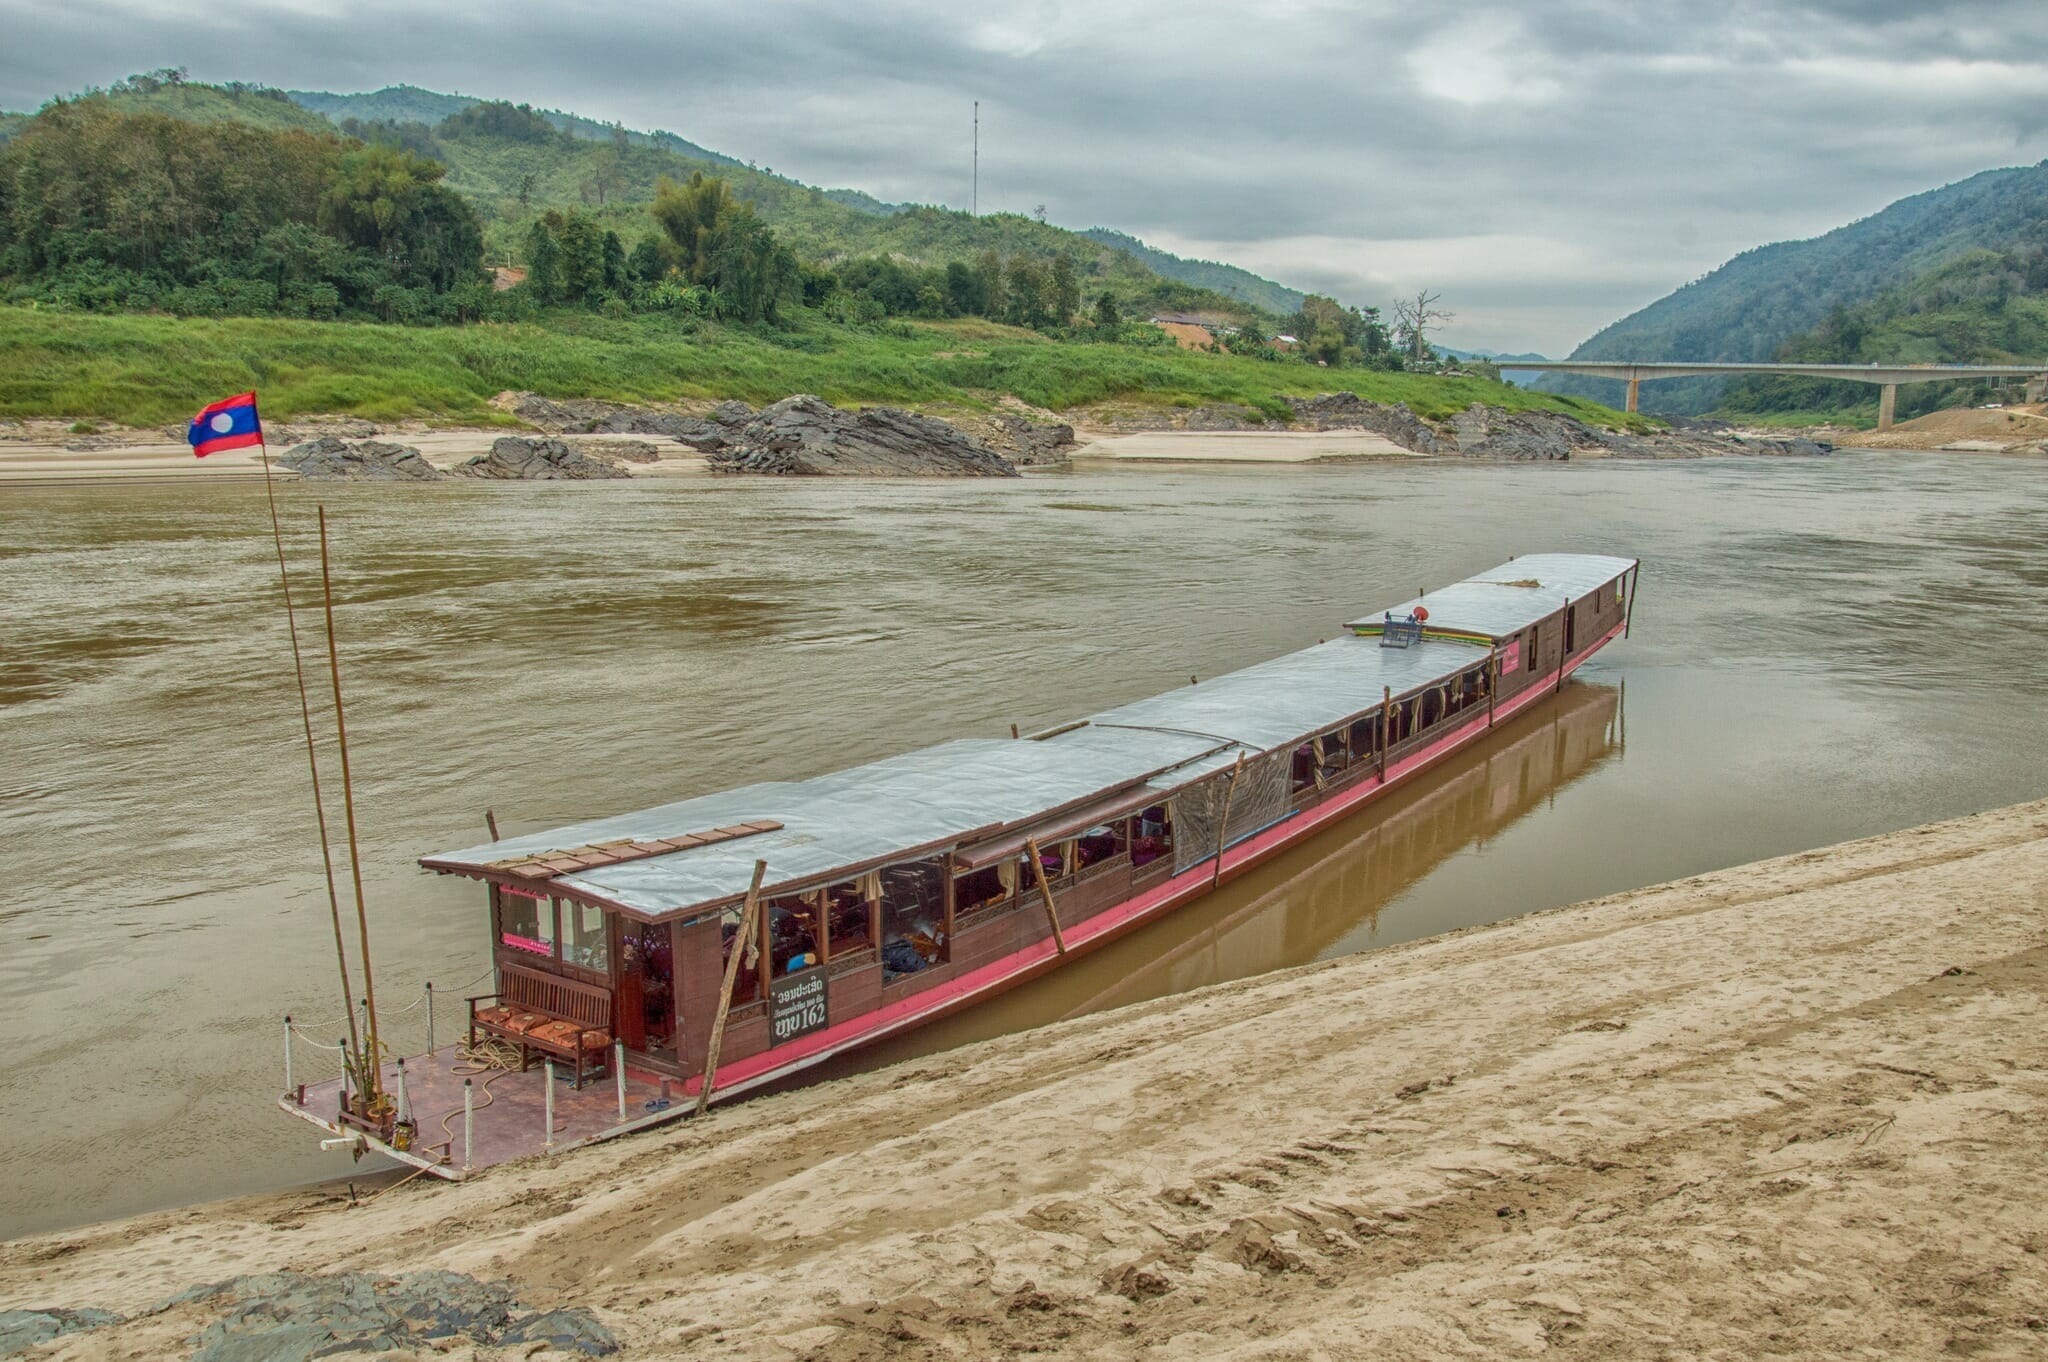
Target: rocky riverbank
{"type": "Point", "coordinates": [1788, 1109]}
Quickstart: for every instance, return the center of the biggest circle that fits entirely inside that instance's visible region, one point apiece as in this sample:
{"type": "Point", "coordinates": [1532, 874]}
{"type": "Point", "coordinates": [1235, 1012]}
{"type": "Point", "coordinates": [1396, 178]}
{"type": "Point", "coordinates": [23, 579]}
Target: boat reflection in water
{"type": "Point", "coordinates": [1320, 899]}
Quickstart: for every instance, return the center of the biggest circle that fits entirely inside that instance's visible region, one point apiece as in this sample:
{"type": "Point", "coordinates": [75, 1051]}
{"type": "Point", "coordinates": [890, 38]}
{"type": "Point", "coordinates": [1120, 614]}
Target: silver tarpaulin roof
{"type": "Point", "coordinates": [965, 791]}
{"type": "Point", "coordinates": [1499, 601]}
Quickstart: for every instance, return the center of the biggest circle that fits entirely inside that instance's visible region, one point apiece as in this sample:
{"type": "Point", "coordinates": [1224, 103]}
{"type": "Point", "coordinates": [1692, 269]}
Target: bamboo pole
{"type": "Point", "coordinates": [491, 822]}
{"type": "Point", "coordinates": [312, 760]}
{"type": "Point", "coordinates": [1223, 824]}
{"type": "Point", "coordinates": [1635, 584]}
{"type": "Point", "coordinates": [732, 974]}
{"type": "Point", "coordinates": [1492, 679]}
{"type": "Point", "coordinates": [373, 1060]}
{"type": "Point", "coordinates": [1052, 912]}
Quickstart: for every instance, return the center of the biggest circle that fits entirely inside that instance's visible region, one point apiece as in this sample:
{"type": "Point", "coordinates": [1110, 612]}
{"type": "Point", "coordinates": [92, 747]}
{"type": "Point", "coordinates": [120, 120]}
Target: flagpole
{"type": "Point", "coordinates": [312, 760]}
{"type": "Point", "coordinates": [374, 1060]}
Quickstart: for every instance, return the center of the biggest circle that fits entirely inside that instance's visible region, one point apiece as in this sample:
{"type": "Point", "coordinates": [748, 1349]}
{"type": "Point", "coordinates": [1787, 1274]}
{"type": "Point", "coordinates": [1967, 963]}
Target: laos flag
{"type": "Point", "coordinates": [227, 424]}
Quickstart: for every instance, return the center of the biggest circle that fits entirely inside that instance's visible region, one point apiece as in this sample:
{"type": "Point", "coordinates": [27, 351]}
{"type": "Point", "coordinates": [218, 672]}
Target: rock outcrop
{"type": "Point", "coordinates": [1021, 440]}
{"type": "Point", "coordinates": [332, 459]}
{"type": "Point", "coordinates": [808, 436]}
{"type": "Point", "coordinates": [1484, 432]}
{"type": "Point", "coordinates": [514, 458]}
{"type": "Point", "coordinates": [1349, 411]}
{"type": "Point", "coordinates": [618, 451]}
{"type": "Point", "coordinates": [583, 416]}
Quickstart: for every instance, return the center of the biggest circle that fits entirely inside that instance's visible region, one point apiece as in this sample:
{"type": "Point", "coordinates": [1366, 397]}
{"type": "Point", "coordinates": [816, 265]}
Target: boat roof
{"type": "Point", "coordinates": [1510, 598]}
{"type": "Point", "coordinates": [698, 855]}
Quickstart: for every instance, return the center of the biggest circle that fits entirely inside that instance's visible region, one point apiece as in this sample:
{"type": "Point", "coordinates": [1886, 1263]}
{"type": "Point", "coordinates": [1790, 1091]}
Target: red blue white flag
{"type": "Point", "coordinates": [228, 424]}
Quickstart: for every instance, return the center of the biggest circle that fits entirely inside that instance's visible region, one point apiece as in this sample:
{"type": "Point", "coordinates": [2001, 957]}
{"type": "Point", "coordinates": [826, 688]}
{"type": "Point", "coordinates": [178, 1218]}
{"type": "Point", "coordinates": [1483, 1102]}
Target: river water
{"type": "Point", "coordinates": [1822, 649]}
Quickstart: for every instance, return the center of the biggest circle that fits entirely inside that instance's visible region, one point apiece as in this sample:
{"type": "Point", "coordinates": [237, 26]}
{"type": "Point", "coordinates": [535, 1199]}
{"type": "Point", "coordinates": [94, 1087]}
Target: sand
{"type": "Point", "coordinates": [1242, 446]}
{"type": "Point", "coordinates": [1795, 1108]}
{"type": "Point", "coordinates": [1966, 430]}
{"type": "Point", "coordinates": [41, 453]}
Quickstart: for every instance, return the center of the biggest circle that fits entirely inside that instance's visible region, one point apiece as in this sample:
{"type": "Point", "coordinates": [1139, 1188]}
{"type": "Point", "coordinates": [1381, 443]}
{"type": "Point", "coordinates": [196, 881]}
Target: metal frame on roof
{"type": "Point", "coordinates": [833, 827]}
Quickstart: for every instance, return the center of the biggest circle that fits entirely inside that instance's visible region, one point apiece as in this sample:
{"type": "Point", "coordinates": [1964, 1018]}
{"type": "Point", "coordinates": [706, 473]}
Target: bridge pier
{"type": "Point", "coordinates": [1887, 401]}
{"type": "Point", "coordinates": [1633, 384]}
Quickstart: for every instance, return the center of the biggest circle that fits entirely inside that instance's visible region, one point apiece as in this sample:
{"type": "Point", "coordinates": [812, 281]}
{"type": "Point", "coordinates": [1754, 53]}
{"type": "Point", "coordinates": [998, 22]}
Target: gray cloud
{"type": "Point", "coordinates": [1548, 166]}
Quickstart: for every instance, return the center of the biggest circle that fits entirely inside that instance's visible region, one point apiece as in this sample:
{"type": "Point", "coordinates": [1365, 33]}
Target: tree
{"type": "Point", "coordinates": [1107, 319]}
{"type": "Point", "coordinates": [582, 256]}
{"type": "Point", "coordinates": [1414, 318]}
{"type": "Point", "coordinates": [1066, 289]}
{"type": "Point", "coordinates": [988, 266]}
{"type": "Point", "coordinates": [616, 274]}
{"type": "Point", "coordinates": [543, 263]}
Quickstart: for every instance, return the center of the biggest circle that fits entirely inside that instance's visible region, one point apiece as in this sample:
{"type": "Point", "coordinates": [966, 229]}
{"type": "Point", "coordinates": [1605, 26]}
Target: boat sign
{"type": "Point", "coordinates": [796, 1005]}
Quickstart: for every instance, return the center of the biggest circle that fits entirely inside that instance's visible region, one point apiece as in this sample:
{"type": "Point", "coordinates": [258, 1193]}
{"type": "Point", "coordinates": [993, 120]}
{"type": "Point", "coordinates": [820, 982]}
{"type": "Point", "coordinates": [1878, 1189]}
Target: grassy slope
{"type": "Point", "coordinates": [146, 370]}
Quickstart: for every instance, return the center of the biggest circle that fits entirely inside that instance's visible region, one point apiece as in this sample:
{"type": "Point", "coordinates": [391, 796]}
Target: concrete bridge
{"type": "Point", "coordinates": [1888, 376]}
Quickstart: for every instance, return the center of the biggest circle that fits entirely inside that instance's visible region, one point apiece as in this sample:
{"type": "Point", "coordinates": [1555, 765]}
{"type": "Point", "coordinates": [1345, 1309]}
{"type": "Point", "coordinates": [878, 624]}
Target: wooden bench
{"type": "Point", "coordinates": [543, 1012]}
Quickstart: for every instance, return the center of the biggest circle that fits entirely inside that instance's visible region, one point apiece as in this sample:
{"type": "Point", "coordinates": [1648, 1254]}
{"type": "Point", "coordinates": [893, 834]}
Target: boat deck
{"type": "Point", "coordinates": [510, 1111]}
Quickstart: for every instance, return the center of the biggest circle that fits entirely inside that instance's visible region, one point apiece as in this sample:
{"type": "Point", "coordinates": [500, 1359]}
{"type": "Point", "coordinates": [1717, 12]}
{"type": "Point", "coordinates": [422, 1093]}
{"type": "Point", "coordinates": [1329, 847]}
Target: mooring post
{"type": "Point", "coordinates": [1223, 823]}
{"type": "Point", "coordinates": [619, 1069]}
{"type": "Point", "coordinates": [548, 1070]}
{"type": "Point", "coordinates": [732, 971]}
{"type": "Point", "coordinates": [468, 1121]}
{"type": "Point", "coordinates": [404, 1107]}
{"type": "Point", "coordinates": [287, 1052]}
{"type": "Point", "coordinates": [1052, 912]}
{"type": "Point", "coordinates": [1635, 583]}
{"type": "Point", "coordinates": [430, 1016]}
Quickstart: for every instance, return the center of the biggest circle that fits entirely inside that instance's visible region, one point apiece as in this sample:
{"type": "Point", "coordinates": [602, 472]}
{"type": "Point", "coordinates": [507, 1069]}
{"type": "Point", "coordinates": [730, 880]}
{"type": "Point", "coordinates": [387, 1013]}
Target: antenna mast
{"type": "Point", "coordinates": [974, 203]}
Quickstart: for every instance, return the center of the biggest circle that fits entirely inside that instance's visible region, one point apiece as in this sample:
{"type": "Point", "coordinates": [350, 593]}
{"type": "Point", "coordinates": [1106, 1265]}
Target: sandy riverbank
{"type": "Point", "coordinates": [44, 456]}
{"type": "Point", "coordinates": [1792, 1108]}
{"type": "Point", "coordinates": [1242, 446]}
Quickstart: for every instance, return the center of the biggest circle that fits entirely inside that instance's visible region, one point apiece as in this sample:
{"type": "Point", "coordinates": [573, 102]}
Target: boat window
{"type": "Point", "coordinates": [1153, 836]}
{"type": "Point", "coordinates": [1303, 776]}
{"type": "Point", "coordinates": [526, 924]}
{"type": "Point", "coordinates": [913, 918]}
{"type": "Point", "coordinates": [792, 935]}
{"type": "Point", "coordinates": [583, 937]}
{"type": "Point", "coordinates": [852, 925]}
{"type": "Point", "coordinates": [1364, 736]}
{"type": "Point", "coordinates": [978, 889]}
{"type": "Point", "coordinates": [1104, 843]}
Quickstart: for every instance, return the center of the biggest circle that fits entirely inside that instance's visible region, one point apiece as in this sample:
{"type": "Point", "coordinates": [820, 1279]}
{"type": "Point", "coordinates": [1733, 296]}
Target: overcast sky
{"type": "Point", "coordinates": [1548, 167]}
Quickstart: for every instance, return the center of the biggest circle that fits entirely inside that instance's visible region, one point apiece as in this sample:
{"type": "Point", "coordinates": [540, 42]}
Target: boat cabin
{"type": "Point", "coordinates": [898, 890]}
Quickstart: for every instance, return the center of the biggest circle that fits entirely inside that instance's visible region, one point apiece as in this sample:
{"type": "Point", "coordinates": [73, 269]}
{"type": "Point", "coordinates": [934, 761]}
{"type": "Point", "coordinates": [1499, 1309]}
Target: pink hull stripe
{"type": "Point", "coordinates": [1113, 922]}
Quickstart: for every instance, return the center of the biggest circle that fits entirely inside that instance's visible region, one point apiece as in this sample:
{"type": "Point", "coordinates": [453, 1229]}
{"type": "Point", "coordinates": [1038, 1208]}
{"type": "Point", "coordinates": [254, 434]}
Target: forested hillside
{"type": "Point", "coordinates": [515, 164]}
{"type": "Point", "coordinates": [1228, 280]}
{"type": "Point", "coordinates": [1751, 306]}
{"type": "Point", "coordinates": [1986, 307]}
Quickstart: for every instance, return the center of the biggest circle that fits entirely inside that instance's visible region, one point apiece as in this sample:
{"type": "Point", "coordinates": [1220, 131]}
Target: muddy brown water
{"type": "Point", "coordinates": [1822, 650]}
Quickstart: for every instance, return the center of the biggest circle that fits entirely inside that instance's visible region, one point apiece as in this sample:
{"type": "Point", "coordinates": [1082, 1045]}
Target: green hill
{"type": "Point", "coordinates": [1228, 280]}
{"type": "Point", "coordinates": [514, 168]}
{"type": "Point", "coordinates": [1751, 306]}
{"type": "Point", "coordinates": [1987, 307]}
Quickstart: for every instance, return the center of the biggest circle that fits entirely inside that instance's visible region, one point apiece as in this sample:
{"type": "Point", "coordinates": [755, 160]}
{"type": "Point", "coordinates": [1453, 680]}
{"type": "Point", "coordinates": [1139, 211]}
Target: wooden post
{"type": "Point", "coordinates": [950, 906]}
{"type": "Point", "coordinates": [1635, 583]}
{"type": "Point", "coordinates": [1564, 641]}
{"type": "Point", "coordinates": [824, 912]}
{"type": "Point", "coordinates": [1014, 732]}
{"type": "Point", "coordinates": [1223, 824]}
{"type": "Point", "coordinates": [764, 942]}
{"type": "Point", "coordinates": [732, 975]}
{"type": "Point", "coordinates": [491, 822]}
{"type": "Point", "coordinates": [1052, 912]}
{"type": "Point", "coordinates": [1492, 679]}
{"type": "Point", "coordinates": [1386, 728]}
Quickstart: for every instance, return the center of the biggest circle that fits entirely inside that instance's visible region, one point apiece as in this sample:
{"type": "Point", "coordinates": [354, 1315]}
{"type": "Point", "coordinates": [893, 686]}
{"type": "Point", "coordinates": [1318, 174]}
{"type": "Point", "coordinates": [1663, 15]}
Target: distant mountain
{"type": "Point", "coordinates": [1228, 280]}
{"type": "Point", "coordinates": [1749, 307]}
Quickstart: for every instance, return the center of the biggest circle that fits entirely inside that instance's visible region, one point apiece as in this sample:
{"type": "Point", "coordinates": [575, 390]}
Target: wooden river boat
{"type": "Point", "coordinates": [870, 901]}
